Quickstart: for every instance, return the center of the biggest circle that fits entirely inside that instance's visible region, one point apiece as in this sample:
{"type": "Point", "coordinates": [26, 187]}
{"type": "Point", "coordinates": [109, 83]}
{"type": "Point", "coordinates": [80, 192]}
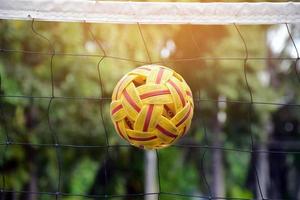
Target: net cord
{"type": "Point", "coordinates": [125, 12]}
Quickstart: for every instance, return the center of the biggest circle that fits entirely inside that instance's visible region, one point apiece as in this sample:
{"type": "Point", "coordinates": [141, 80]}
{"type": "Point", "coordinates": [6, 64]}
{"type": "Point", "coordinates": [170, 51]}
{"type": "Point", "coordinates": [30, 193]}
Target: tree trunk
{"type": "Point", "coordinates": [150, 175]}
{"type": "Point", "coordinates": [218, 189]}
{"type": "Point", "coordinates": [263, 173]}
{"type": "Point", "coordinates": [33, 183]}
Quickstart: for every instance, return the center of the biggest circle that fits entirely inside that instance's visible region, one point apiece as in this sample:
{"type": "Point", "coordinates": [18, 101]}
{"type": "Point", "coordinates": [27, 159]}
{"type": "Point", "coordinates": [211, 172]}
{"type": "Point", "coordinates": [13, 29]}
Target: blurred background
{"type": "Point", "coordinates": [91, 161]}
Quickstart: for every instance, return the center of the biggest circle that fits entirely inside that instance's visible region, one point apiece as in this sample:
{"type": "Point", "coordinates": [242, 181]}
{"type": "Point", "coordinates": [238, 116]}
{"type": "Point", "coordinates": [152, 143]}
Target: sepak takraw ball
{"type": "Point", "coordinates": [152, 107]}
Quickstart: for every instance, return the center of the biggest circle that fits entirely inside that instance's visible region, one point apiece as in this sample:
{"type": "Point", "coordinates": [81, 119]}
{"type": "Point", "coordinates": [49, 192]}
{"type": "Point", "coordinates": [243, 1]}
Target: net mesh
{"type": "Point", "coordinates": [58, 150]}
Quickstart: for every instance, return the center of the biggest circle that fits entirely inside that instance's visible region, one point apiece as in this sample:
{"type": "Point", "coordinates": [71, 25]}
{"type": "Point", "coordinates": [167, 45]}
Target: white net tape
{"type": "Point", "coordinates": [151, 12]}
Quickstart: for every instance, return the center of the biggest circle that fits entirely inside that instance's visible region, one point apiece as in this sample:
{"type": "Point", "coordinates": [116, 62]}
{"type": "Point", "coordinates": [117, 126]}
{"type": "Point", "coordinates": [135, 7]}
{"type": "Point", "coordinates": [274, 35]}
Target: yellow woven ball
{"type": "Point", "coordinates": [152, 106]}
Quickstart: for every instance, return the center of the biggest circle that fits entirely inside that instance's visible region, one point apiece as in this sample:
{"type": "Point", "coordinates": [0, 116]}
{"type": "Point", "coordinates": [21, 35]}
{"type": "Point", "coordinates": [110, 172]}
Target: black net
{"type": "Point", "coordinates": [58, 140]}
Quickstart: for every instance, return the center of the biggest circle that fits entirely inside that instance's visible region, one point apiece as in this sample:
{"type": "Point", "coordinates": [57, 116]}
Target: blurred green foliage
{"type": "Point", "coordinates": [76, 120]}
